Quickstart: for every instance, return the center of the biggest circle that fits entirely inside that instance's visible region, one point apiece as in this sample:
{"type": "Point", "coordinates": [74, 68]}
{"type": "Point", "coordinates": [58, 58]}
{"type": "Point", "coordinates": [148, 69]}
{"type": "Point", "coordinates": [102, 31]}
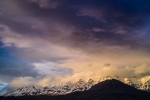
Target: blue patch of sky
{"type": "Point", "coordinates": [6, 55]}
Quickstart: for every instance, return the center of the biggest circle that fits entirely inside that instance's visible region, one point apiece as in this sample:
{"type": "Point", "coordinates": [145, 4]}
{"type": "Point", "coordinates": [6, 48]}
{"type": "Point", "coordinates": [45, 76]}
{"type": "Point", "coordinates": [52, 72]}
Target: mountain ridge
{"type": "Point", "coordinates": [67, 88]}
{"type": "Point", "coordinates": [111, 89]}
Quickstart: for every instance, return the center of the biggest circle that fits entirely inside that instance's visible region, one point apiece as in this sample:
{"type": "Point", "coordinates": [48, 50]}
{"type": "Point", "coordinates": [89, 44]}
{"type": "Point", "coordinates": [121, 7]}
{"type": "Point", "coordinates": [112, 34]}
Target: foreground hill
{"type": "Point", "coordinates": [106, 90]}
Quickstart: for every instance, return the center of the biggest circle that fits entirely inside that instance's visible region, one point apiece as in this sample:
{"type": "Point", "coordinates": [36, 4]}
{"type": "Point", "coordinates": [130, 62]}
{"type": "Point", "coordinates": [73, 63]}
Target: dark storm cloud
{"type": "Point", "coordinates": [2, 29]}
{"type": "Point", "coordinates": [118, 20]}
{"type": "Point", "coordinates": [113, 23]}
{"type": "Point", "coordinates": [118, 17]}
{"type": "Point", "coordinates": [48, 4]}
{"type": "Point", "coordinates": [16, 68]}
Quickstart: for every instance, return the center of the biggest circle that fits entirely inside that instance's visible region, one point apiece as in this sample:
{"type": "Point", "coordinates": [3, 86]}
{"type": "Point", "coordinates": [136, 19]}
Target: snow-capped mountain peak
{"type": "Point", "coordinates": [69, 87]}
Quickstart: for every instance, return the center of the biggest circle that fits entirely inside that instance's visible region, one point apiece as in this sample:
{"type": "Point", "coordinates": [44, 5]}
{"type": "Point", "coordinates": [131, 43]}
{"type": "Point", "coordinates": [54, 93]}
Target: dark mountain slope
{"type": "Point", "coordinates": [110, 90]}
{"type": "Point", "coordinates": [115, 86]}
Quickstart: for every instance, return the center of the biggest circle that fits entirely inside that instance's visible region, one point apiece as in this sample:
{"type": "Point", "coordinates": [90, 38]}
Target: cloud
{"type": "Point", "coordinates": [48, 4]}
{"type": "Point", "coordinates": [92, 12]}
{"type": "Point", "coordinates": [95, 29]}
{"type": "Point", "coordinates": [16, 69]}
{"type": "Point", "coordinates": [2, 29]}
{"type": "Point", "coordinates": [39, 46]}
{"type": "Point", "coordinates": [121, 30]}
{"type": "Point", "coordinates": [51, 69]}
{"type": "Point", "coordinates": [1, 84]}
{"type": "Point", "coordinates": [142, 69]}
{"type": "Point", "coordinates": [92, 73]}
{"type": "Point", "coordinates": [29, 81]}
{"type": "Point", "coordinates": [107, 64]}
{"type": "Point", "coordinates": [98, 30]}
{"type": "Point", "coordinates": [21, 81]}
{"type": "Point", "coordinates": [73, 58]}
{"type": "Point", "coordinates": [69, 59]}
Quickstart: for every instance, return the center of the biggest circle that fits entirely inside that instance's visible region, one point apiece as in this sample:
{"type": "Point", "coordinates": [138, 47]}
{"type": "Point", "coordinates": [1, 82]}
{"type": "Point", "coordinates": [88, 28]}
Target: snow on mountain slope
{"type": "Point", "coordinates": [69, 87]}
{"type": "Point", "coordinates": [31, 90]}
{"type": "Point", "coordinates": [128, 81]}
{"type": "Point", "coordinates": [142, 84]}
{"type": "Point", "coordinates": [145, 83]}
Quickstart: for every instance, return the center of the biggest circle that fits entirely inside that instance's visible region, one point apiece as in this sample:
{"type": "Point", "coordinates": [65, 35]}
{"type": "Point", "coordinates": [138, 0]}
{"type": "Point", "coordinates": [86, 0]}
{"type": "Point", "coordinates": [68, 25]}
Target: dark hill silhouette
{"type": "Point", "coordinates": [111, 90]}
{"type": "Point", "coordinates": [106, 90]}
{"type": "Point", "coordinates": [115, 86]}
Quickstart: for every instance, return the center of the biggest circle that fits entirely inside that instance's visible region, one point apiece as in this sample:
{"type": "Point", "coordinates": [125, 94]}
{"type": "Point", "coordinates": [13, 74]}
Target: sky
{"type": "Point", "coordinates": [47, 42]}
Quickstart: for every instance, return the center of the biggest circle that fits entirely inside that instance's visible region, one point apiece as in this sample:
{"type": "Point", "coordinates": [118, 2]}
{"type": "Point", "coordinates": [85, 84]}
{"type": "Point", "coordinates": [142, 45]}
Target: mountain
{"type": "Point", "coordinates": [110, 90]}
{"type": "Point", "coordinates": [113, 86]}
{"type": "Point", "coordinates": [69, 87]}
{"type": "Point", "coordinates": [143, 83]}
{"type": "Point", "coordinates": [107, 90]}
